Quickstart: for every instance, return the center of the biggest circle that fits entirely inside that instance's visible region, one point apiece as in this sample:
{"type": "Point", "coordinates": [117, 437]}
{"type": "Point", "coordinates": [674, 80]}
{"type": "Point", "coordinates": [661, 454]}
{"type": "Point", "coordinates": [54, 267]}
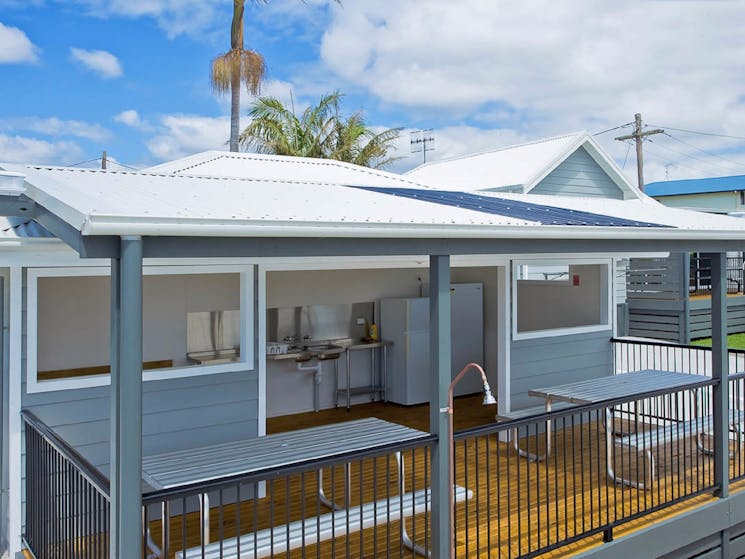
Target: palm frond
{"type": "Point", "coordinates": [246, 66]}
{"type": "Point", "coordinates": [320, 131]}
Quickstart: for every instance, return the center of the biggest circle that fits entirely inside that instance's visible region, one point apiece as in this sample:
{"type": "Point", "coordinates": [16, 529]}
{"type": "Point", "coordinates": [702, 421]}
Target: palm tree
{"type": "Point", "coordinates": [320, 131]}
{"type": "Point", "coordinates": [235, 67]}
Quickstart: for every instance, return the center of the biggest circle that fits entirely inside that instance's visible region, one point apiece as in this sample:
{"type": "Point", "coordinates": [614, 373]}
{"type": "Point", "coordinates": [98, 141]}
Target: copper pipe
{"type": "Point", "coordinates": [488, 399]}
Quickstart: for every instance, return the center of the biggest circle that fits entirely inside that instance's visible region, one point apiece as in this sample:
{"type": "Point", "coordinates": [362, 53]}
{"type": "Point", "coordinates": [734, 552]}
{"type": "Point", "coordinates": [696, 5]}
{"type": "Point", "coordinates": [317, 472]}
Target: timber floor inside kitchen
{"type": "Point", "coordinates": [556, 499]}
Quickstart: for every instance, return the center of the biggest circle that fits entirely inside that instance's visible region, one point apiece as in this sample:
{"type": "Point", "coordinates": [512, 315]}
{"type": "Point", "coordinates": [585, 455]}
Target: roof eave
{"type": "Point", "coordinates": [107, 226]}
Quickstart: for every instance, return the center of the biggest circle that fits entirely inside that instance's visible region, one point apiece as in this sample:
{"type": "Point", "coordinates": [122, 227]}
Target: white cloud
{"type": "Point", "coordinates": [182, 135]}
{"type": "Point", "coordinates": [20, 149]}
{"type": "Point", "coordinates": [54, 126]}
{"type": "Point", "coordinates": [132, 118]}
{"type": "Point", "coordinates": [543, 68]}
{"type": "Point", "coordinates": [16, 47]}
{"type": "Point", "coordinates": [102, 62]}
{"type": "Point", "coordinates": [175, 17]}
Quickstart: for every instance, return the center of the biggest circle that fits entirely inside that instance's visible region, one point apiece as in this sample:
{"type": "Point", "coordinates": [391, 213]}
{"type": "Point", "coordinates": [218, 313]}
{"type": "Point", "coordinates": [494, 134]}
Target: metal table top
{"type": "Point", "coordinates": [211, 462]}
{"type": "Point", "coordinates": [617, 386]}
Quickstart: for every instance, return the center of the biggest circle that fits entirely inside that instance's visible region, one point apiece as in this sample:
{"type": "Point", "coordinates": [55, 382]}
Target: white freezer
{"type": "Point", "coordinates": [405, 321]}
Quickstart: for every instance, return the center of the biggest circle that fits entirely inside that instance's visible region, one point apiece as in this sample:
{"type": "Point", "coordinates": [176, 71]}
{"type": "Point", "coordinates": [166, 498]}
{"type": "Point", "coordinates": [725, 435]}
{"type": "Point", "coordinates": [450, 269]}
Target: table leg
{"type": "Point", "coordinates": [372, 372]}
{"type": "Point", "coordinates": [349, 378]}
{"type": "Point", "coordinates": [336, 381]}
{"type": "Point", "coordinates": [548, 429]}
{"type": "Point", "coordinates": [384, 374]}
{"type": "Point", "coordinates": [322, 495]}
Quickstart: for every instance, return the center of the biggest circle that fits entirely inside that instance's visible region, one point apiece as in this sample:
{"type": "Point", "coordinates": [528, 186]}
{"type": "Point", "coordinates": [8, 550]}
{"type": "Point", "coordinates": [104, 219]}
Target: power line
{"type": "Point", "coordinates": [614, 128]}
{"type": "Point", "coordinates": [83, 162]}
{"type": "Point", "coordinates": [114, 162]}
{"type": "Point", "coordinates": [740, 165]}
{"type": "Point", "coordinates": [704, 133]}
{"type": "Point", "coordinates": [677, 164]}
{"type": "Point", "coordinates": [688, 155]}
{"type": "Point", "coordinates": [627, 155]}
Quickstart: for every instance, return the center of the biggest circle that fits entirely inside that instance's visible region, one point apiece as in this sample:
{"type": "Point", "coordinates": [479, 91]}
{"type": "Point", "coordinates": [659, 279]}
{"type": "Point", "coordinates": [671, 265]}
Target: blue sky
{"type": "Point", "coordinates": [131, 76]}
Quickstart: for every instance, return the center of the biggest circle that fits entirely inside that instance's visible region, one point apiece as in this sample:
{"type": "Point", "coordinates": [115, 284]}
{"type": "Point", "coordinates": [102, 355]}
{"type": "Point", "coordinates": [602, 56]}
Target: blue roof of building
{"type": "Point", "coordinates": [695, 186]}
{"type": "Point", "coordinates": [540, 213]}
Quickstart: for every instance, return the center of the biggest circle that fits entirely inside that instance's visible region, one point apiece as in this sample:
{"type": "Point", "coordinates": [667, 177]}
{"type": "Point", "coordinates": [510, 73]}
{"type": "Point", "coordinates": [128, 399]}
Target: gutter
{"type": "Point", "coordinates": [94, 226]}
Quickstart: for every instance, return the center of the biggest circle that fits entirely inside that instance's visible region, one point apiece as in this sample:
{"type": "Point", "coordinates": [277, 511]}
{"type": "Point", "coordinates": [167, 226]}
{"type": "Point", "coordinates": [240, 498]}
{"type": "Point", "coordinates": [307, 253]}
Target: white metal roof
{"type": "Point", "coordinates": [279, 167]}
{"type": "Point", "coordinates": [523, 165]}
{"type": "Point", "coordinates": [126, 203]}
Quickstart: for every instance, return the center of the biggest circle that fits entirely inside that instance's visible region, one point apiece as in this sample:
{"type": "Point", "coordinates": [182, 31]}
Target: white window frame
{"type": "Point", "coordinates": [554, 332]}
{"type": "Point", "coordinates": [246, 362]}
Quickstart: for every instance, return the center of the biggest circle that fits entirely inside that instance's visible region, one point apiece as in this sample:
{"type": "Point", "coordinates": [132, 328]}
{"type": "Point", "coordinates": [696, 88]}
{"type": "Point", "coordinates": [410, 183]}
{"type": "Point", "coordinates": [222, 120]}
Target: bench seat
{"type": "Point", "coordinates": [283, 538]}
{"type": "Point", "coordinates": [649, 440]}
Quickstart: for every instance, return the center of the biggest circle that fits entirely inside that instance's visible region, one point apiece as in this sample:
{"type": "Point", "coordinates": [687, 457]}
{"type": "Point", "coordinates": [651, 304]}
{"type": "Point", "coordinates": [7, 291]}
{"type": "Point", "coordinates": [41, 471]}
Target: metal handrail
{"type": "Point", "coordinates": [87, 470]}
{"type": "Point", "coordinates": [671, 345]}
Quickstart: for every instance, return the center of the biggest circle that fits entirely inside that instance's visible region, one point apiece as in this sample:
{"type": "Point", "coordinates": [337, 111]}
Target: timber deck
{"type": "Point", "coordinates": [488, 526]}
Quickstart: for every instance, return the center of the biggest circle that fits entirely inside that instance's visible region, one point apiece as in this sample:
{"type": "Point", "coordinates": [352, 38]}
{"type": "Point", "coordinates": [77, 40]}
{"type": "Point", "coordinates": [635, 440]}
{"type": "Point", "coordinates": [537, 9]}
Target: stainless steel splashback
{"type": "Point", "coordinates": [319, 322]}
{"type": "Point", "coordinates": [213, 330]}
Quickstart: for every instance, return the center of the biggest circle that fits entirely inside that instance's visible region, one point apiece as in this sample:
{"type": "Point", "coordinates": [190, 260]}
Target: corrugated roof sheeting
{"type": "Point", "coordinates": [117, 203]}
{"type": "Point", "coordinates": [529, 211]}
{"type": "Point", "coordinates": [80, 195]}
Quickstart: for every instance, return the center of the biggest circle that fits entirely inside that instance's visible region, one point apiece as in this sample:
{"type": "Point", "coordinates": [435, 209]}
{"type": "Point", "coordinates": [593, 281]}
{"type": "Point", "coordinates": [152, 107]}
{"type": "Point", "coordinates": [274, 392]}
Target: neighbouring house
{"type": "Point", "coordinates": [157, 319]}
{"type": "Point", "coordinates": [721, 195]}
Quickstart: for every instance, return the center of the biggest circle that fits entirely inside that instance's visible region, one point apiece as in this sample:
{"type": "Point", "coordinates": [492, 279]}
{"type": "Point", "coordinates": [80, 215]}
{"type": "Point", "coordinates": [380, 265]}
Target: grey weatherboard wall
{"type": "Point", "coordinates": [579, 175]}
{"type": "Point", "coordinates": [177, 413]}
{"type": "Point", "coordinates": [539, 362]}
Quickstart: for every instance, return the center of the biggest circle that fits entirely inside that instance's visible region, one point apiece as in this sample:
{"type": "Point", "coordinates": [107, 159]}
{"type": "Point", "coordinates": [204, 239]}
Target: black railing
{"type": "Point", "coordinates": [609, 464]}
{"type": "Point", "coordinates": [700, 275]}
{"type": "Point", "coordinates": [365, 504]}
{"type": "Point", "coordinates": [67, 499]}
{"type": "Point", "coordinates": [635, 355]}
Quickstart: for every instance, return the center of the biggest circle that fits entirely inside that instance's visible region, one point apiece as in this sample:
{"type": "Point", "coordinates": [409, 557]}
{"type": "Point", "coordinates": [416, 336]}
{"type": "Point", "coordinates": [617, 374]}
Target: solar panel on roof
{"type": "Point", "coordinates": [545, 215]}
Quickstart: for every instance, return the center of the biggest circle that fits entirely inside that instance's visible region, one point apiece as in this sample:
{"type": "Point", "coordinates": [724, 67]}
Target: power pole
{"type": "Point", "coordinates": [104, 158]}
{"type": "Point", "coordinates": [638, 136]}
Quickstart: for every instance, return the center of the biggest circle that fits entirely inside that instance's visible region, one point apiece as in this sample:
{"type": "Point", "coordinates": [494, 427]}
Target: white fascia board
{"type": "Point", "coordinates": [11, 183]}
{"type": "Point", "coordinates": [283, 229]}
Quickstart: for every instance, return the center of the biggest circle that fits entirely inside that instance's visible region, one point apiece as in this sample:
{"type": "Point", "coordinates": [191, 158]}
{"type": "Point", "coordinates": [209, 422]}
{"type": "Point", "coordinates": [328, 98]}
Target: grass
{"type": "Point", "coordinates": [734, 341]}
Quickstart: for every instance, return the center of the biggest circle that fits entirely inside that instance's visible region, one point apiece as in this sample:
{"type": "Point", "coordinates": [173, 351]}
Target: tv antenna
{"type": "Point", "coordinates": [422, 141]}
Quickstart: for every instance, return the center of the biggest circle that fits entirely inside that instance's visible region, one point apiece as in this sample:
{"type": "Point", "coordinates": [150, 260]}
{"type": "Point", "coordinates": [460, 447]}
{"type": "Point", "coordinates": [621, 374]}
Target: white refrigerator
{"type": "Point", "coordinates": [405, 321]}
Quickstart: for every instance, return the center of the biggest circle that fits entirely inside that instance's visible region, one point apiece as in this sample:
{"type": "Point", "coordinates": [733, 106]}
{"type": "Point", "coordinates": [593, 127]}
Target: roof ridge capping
{"type": "Point", "coordinates": [174, 176]}
{"type": "Point", "coordinates": [195, 160]}
{"type": "Point", "coordinates": [579, 133]}
{"type": "Point", "coordinates": [11, 183]}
